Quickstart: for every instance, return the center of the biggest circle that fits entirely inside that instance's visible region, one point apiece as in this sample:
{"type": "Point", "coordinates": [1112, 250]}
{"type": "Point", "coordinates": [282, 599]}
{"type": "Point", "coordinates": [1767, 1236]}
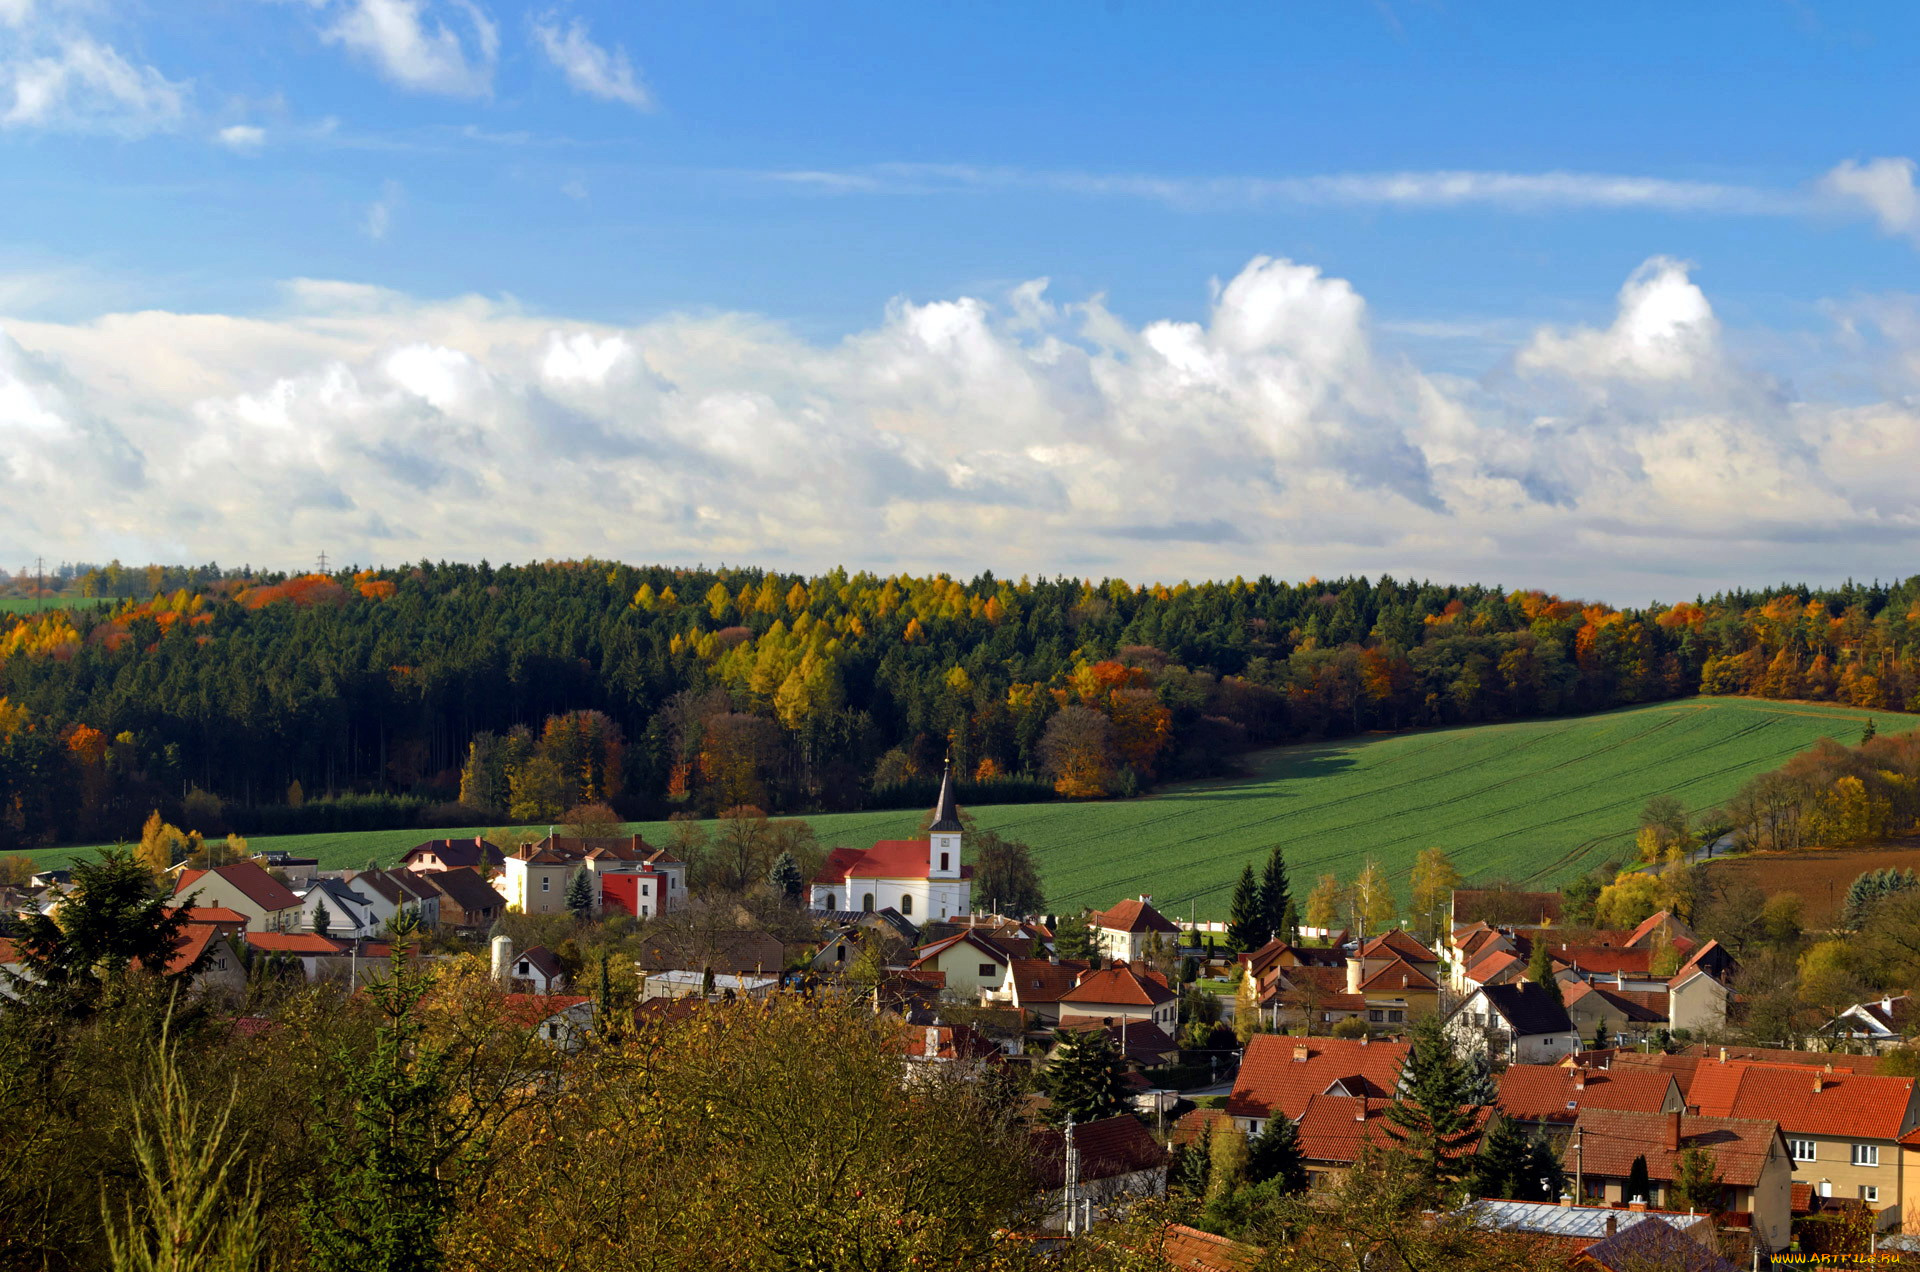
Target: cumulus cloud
{"type": "Point", "coordinates": [415, 47]}
{"type": "Point", "coordinates": [598, 72]}
{"type": "Point", "coordinates": [56, 76]}
{"type": "Point", "coordinates": [245, 138]}
{"type": "Point", "coordinates": [1018, 432]}
{"type": "Point", "coordinates": [1884, 187]}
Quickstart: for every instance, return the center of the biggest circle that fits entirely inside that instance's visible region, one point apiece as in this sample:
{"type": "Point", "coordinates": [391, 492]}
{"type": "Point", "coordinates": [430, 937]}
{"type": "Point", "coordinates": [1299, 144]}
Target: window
{"type": "Point", "coordinates": [546, 884]}
{"type": "Point", "coordinates": [524, 968]}
{"type": "Point", "coordinates": [986, 971]}
{"type": "Point", "coordinates": [1802, 1150]}
{"type": "Point", "coordinates": [866, 900]}
{"type": "Point", "coordinates": [1826, 1188]}
{"type": "Point", "coordinates": [1376, 1015]}
{"type": "Point", "coordinates": [906, 904]}
{"type": "Point", "coordinates": [646, 889]}
{"type": "Point", "coordinates": [1866, 1154]}
{"type": "Point", "coordinates": [1395, 1017]}
{"type": "Point", "coordinates": [943, 861]}
{"type": "Point", "coordinates": [1869, 1192]}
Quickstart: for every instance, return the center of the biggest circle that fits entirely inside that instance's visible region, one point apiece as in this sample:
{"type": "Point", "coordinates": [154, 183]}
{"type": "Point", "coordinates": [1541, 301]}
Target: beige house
{"type": "Point", "coordinates": [268, 904]}
{"type": "Point", "coordinates": [972, 964]}
{"type": "Point", "coordinates": [1750, 1154]}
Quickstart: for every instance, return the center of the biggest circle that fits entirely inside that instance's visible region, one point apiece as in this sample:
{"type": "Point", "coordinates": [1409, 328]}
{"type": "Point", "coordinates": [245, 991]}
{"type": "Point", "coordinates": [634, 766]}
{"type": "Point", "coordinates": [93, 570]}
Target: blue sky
{"type": "Point", "coordinates": [820, 228]}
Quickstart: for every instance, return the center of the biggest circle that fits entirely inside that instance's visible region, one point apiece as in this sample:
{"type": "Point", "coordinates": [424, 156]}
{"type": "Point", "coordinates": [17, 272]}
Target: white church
{"type": "Point", "coordinates": [921, 878]}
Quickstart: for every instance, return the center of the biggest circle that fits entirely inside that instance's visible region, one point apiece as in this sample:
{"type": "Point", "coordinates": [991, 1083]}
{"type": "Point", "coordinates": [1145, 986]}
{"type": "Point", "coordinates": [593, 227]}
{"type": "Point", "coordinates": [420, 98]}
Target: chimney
{"type": "Point", "coordinates": [1566, 1199]}
{"type": "Point", "coordinates": [1638, 1203]}
{"type": "Point", "coordinates": [1365, 1039]}
{"type": "Point", "coordinates": [1579, 1079]}
{"type": "Point", "coordinates": [1353, 975]}
{"type": "Point", "coordinates": [502, 957]}
{"type": "Point", "coordinates": [1360, 1110]}
{"type": "Point", "coordinates": [1819, 1081]}
{"type": "Point", "coordinates": [1723, 1055]}
{"type": "Point", "coordinates": [1613, 1225]}
{"type": "Point", "coordinates": [1300, 1052]}
{"type": "Point", "coordinates": [933, 1042]}
{"type": "Point", "coordinates": [1673, 1132]}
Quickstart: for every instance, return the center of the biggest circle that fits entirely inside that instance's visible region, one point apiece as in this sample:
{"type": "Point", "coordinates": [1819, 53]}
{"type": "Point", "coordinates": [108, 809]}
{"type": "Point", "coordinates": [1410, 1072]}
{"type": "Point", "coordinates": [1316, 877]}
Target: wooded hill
{"type": "Point", "coordinates": [272, 703]}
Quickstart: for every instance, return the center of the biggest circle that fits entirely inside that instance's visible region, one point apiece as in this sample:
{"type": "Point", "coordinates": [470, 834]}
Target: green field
{"type": "Point", "coordinates": [33, 605]}
{"type": "Point", "coordinates": [1536, 802]}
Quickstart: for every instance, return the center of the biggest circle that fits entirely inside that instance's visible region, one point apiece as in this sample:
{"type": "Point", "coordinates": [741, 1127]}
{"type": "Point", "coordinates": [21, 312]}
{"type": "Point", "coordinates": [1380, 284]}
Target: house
{"type": "Point", "coordinates": [921, 878]}
{"type": "Point", "coordinates": [1141, 1042]}
{"type": "Point", "coordinates": [735, 951]}
{"type": "Point", "coordinates": [1397, 981]}
{"type": "Point", "coordinates": [1551, 1097]}
{"type": "Point", "coordinates": [1697, 999]}
{"type": "Point", "coordinates": [392, 893]}
{"type": "Point", "coordinates": [536, 970]}
{"type": "Point", "coordinates": [1311, 997]}
{"type": "Point", "coordinates": [1124, 931]}
{"type": "Point", "coordinates": [1191, 1250]}
{"type": "Point", "coordinates": [350, 913]}
{"type": "Point", "coordinates": [973, 964]}
{"type": "Point", "coordinates": [1664, 928]}
{"type": "Point", "coordinates": [1582, 1226]}
{"type": "Point", "coordinates": [1334, 1129]}
{"type": "Point", "coordinates": [724, 985]}
{"type": "Point", "coordinates": [467, 901]}
{"type": "Point", "coordinates": [1280, 1074]}
{"type": "Point", "coordinates": [1844, 1131]}
{"type": "Point", "coordinates": [1036, 986]}
{"type": "Point", "coordinates": [1508, 1024]}
{"type": "Point", "coordinates": [564, 1020]}
{"type": "Point", "coordinates": [454, 854]}
{"type": "Point", "coordinates": [628, 874]}
{"type": "Point", "coordinates": [1119, 1161]}
{"type": "Point", "coordinates": [1880, 1025]}
{"type": "Point", "coordinates": [1750, 1155]}
{"type": "Point", "coordinates": [1773, 1055]}
{"type": "Point", "coordinates": [243, 886]}
{"type": "Point", "coordinates": [322, 957]}
{"type": "Point", "coordinates": [295, 872]}
{"type": "Point", "coordinates": [956, 1045]}
{"type": "Point", "coordinates": [1123, 993]}
{"type": "Point", "coordinates": [1627, 1015]}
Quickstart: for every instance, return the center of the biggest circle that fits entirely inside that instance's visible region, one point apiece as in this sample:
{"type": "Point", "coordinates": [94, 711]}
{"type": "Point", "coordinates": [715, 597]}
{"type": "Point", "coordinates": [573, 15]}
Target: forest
{"type": "Point", "coordinates": [450, 694]}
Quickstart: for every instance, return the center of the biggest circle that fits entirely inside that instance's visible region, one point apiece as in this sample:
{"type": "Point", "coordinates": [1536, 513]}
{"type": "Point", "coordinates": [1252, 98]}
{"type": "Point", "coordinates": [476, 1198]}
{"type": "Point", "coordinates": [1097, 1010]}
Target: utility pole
{"type": "Point", "coordinates": [1071, 1182]}
{"type": "Point", "coordinates": [321, 568]}
{"type": "Point", "coordinates": [39, 583]}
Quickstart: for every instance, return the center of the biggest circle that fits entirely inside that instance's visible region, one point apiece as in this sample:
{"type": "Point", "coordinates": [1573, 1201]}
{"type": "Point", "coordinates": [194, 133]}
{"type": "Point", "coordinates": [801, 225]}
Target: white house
{"type": "Point", "coordinates": [921, 878]}
{"type": "Point", "coordinates": [350, 913]}
{"type": "Point", "coordinates": [1513, 1024]}
{"type": "Point", "coordinates": [1123, 931]}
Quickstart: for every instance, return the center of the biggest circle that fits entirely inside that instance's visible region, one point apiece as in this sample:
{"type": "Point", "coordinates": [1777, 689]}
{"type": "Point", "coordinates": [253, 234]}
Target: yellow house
{"type": "Point", "coordinates": [972, 964]}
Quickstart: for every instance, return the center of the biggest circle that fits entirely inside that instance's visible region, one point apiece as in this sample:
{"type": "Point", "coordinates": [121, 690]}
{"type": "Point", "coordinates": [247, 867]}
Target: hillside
{"type": "Point", "coordinates": [1535, 801]}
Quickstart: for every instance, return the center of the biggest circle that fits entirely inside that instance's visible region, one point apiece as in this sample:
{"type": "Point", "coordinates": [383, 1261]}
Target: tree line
{"type": "Point", "coordinates": [442, 694]}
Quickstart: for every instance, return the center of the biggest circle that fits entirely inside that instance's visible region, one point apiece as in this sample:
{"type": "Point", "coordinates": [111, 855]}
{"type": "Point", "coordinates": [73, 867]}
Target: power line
{"type": "Point", "coordinates": [323, 562]}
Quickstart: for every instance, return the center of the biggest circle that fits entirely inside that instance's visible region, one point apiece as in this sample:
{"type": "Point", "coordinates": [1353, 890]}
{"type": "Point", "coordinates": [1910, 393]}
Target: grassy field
{"type": "Point", "coordinates": [1536, 802]}
{"type": "Point", "coordinates": [33, 605]}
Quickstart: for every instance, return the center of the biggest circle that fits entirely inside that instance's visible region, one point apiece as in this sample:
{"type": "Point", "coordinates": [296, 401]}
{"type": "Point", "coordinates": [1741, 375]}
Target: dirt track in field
{"type": "Point", "coordinates": [1821, 876]}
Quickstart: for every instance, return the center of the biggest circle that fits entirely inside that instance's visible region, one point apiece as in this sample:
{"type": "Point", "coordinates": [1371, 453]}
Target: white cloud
{"type": "Point", "coordinates": [416, 48]}
{"type": "Point", "coordinates": [1631, 458]}
{"type": "Point", "coordinates": [59, 78]}
{"type": "Point", "coordinates": [589, 68]}
{"type": "Point", "coordinates": [1884, 187]}
{"type": "Point", "coordinates": [380, 212]}
{"type": "Point", "coordinates": [245, 138]}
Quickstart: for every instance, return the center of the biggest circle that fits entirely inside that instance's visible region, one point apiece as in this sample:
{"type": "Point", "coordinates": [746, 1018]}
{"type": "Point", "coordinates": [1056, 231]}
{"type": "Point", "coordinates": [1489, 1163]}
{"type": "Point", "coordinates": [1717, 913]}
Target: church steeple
{"type": "Point", "coordinates": [946, 816]}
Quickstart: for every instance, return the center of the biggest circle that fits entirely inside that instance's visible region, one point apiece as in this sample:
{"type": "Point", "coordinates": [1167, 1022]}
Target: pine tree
{"type": "Point", "coordinates": [1639, 1185]}
{"type": "Point", "coordinates": [1540, 969]}
{"type": "Point", "coordinates": [1696, 1180]}
{"type": "Point", "coordinates": [322, 918]}
{"type": "Point", "coordinates": [1544, 1179]}
{"type": "Point", "coordinates": [115, 920]}
{"type": "Point", "coordinates": [1276, 897]}
{"type": "Point", "coordinates": [1602, 1037]}
{"type": "Point", "coordinates": [1086, 1079]}
{"type": "Point", "coordinates": [1435, 1115]}
{"type": "Point", "coordinates": [579, 895]}
{"type": "Point", "coordinates": [786, 878]}
{"type": "Point", "coordinates": [1275, 1154]}
{"type": "Point", "coordinates": [1192, 1162]}
{"type": "Point", "coordinates": [1073, 939]}
{"type": "Point", "coordinates": [1246, 921]}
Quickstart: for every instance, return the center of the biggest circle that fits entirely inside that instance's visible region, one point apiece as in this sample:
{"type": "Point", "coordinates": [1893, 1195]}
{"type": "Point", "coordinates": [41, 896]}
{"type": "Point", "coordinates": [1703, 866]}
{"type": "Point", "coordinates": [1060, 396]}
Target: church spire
{"type": "Point", "coordinates": [946, 816]}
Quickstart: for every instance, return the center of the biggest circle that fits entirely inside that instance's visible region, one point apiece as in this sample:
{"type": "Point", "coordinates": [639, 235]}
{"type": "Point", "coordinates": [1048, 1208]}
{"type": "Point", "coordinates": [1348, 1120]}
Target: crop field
{"type": "Point", "coordinates": [1535, 802]}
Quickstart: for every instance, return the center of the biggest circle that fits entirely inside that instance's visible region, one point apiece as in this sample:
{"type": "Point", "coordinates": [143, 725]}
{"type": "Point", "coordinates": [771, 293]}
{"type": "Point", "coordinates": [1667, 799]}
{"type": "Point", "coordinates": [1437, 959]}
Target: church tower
{"type": "Point", "coordinates": [943, 837]}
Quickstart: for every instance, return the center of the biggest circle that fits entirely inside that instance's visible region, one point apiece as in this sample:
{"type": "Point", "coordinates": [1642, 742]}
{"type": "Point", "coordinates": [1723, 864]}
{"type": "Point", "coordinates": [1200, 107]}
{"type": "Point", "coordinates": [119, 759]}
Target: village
{"type": "Point", "coordinates": [1603, 1114]}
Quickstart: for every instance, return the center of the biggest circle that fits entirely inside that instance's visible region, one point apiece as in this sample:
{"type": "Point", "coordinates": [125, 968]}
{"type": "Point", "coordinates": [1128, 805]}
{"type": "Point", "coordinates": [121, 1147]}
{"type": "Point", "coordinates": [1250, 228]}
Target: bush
{"type": "Point", "coordinates": [1351, 1027]}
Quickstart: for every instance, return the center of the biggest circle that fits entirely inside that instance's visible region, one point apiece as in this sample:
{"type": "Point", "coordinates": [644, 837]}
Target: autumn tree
{"type": "Point", "coordinates": [1327, 903]}
{"type": "Point", "coordinates": [1373, 904]}
{"type": "Point", "coordinates": [1077, 750]}
{"type": "Point", "coordinates": [1434, 879]}
{"type": "Point", "coordinates": [1004, 875]}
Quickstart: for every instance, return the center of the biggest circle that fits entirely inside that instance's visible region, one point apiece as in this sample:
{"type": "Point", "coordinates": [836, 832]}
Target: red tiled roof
{"type": "Point", "coordinates": [986, 945]}
{"type": "Point", "coordinates": [193, 943]}
{"type": "Point", "coordinates": [529, 1010]}
{"type": "Point", "coordinates": [1493, 964]}
{"type": "Point", "coordinates": [1498, 904]}
{"type": "Point", "coordinates": [1398, 977]}
{"type": "Point", "coordinates": [1613, 1138]}
{"type": "Point", "coordinates": [1543, 1092]}
{"type": "Point", "coordinates": [1604, 958]}
{"type": "Point", "coordinates": [1119, 984]}
{"type": "Point", "coordinates": [1398, 943]}
{"type": "Point", "coordinates": [898, 859]}
{"type": "Point", "coordinates": [1132, 915]}
{"type": "Point", "coordinates": [1189, 1248]}
{"type": "Point", "coordinates": [1272, 1080]}
{"type": "Point", "coordinates": [1141, 1041]}
{"type": "Point", "coordinates": [1774, 1055]}
{"type": "Point", "coordinates": [1638, 1006]}
{"type": "Point", "coordinates": [254, 883]}
{"type": "Point", "coordinates": [1847, 1104]}
{"type": "Point", "coordinates": [1189, 1126]}
{"type": "Point", "coordinates": [1647, 926]}
{"type": "Point", "coordinates": [212, 914]}
{"type": "Point", "coordinates": [299, 943]}
{"type": "Point", "coordinates": [950, 1042]}
{"type": "Point", "coordinates": [1039, 980]}
{"type": "Point", "coordinates": [1332, 990]}
{"type": "Point", "coordinates": [1108, 1148]}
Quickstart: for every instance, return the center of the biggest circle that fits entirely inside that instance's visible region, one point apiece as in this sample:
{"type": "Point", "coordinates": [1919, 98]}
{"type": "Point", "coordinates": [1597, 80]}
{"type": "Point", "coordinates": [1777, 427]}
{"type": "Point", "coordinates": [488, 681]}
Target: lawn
{"type": "Point", "coordinates": [1536, 802]}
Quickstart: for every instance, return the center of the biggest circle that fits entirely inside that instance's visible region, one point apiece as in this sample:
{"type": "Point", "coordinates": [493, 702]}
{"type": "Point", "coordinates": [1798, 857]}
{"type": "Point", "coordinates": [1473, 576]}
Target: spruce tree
{"type": "Point", "coordinates": [1246, 920]}
{"type": "Point", "coordinates": [1275, 1154]}
{"type": "Point", "coordinates": [1544, 1179]}
{"type": "Point", "coordinates": [115, 920]}
{"type": "Point", "coordinates": [786, 878]}
{"type": "Point", "coordinates": [579, 896]}
{"type": "Point", "coordinates": [1435, 1115]}
{"type": "Point", "coordinates": [1192, 1163]}
{"type": "Point", "coordinates": [1540, 970]}
{"type": "Point", "coordinates": [1276, 898]}
{"type": "Point", "coordinates": [322, 918]}
{"type": "Point", "coordinates": [1073, 939]}
{"type": "Point", "coordinates": [1087, 1078]}
{"type": "Point", "coordinates": [1499, 1170]}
